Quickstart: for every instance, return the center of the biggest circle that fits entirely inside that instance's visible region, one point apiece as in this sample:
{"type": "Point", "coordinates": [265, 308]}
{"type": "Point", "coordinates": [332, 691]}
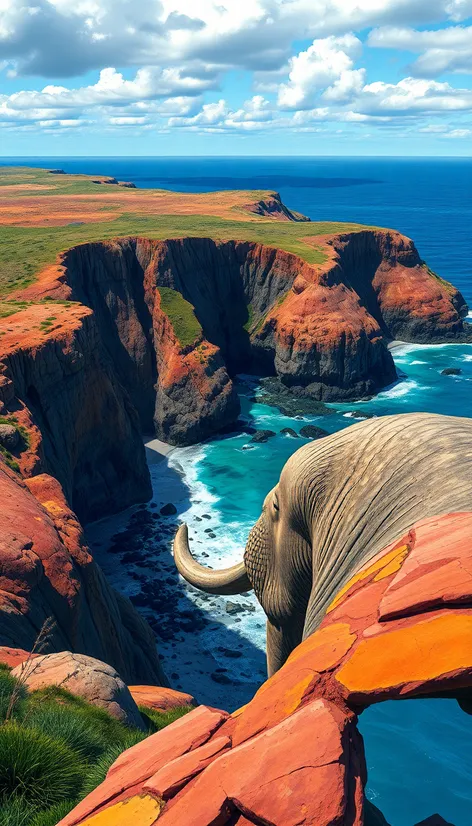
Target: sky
{"type": "Point", "coordinates": [246, 77]}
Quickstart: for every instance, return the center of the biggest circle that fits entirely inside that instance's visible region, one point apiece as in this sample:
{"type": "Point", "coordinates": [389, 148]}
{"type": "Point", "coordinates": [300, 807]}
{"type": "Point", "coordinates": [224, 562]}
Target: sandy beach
{"type": "Point", "coordinates": [156, 451]}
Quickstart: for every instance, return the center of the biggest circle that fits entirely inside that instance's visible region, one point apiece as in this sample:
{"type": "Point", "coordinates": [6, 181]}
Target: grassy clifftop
{"type": "Point", "coordinates": [43, 214]}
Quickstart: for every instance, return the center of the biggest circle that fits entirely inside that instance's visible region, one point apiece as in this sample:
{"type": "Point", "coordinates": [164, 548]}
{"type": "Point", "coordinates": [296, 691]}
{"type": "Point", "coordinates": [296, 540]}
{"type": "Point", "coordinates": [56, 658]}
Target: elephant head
{"type": "Point", "coordinates": [340, 501]}
{"type": "Point", "coordinates": [277, 565]}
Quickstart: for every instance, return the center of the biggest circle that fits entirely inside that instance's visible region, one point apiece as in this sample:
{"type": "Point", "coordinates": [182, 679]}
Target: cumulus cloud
{"type": "Point", "coordinates": [111, 89]}
{"type": "Point", "coordinates": [327, 67]}
{"type": "Point", "coordinates": [411, 96]}
{"type": "Point", "coordinates": [63, 38]}
{"type": "Point", "coordinates": [255, 114]}
{"type": "Point", "coordinates": [170, 53]}
{"type": "Point", "coordinates": [443, 50]}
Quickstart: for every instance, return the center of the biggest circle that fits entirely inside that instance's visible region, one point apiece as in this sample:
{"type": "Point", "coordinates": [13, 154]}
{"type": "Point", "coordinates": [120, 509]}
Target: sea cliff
{"type": "Point", "coordinates": [176, 320]}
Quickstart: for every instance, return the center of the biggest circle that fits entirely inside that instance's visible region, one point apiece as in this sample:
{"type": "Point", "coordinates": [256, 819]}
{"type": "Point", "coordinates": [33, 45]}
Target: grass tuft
{"type": "Point", "coordinates": [182, 316]}
{"type": "Point", "coordinates": [76, 730]}
{"type": "Point", "coordinates": [55, 748]}
{"type": "Point", "coordinates": [52, 816]}
{"type": "Point", "coordinates": [157, 720]}
{"type": "Point", "coordinates": [8, 685]}
{"type": "Point", "coordinates": [37, 767]}
{"type": "Point", "coordinates": [96, 774]}
{"type": "Point", "coordinates": [16, 811]}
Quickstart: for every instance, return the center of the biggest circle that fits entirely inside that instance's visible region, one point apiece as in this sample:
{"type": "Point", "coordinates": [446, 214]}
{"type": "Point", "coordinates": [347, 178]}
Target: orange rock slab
{"type": "Point", "coordinates": [159, 698]}
{"type": "Point", "coordinates": [436, 573]}
{"type": "Point", "coordinates": [14, 656]}
{"type": "Point", "coordinates": [296, 773]}
{"type": "Point", "coordinates": [139, 763]}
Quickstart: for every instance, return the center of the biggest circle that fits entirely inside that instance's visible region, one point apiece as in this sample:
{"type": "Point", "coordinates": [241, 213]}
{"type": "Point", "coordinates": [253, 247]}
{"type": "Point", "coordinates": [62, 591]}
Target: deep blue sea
{"type": "Point", "coordinates": [418, 752]}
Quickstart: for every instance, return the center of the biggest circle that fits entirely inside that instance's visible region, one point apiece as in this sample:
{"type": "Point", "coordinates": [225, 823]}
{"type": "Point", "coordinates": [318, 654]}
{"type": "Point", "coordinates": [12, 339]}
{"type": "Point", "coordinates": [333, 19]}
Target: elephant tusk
{"type": "Point", "coordinates": [228, 581]}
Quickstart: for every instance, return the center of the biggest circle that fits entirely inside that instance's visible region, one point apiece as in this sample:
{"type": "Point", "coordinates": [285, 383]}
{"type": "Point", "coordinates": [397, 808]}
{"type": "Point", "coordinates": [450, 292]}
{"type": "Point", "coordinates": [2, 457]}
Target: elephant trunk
{"type": "Point", "coordinates": [228, 581]}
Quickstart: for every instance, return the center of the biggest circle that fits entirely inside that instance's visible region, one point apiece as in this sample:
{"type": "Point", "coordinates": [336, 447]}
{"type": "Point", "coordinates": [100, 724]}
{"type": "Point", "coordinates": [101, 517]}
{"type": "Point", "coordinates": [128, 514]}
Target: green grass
{"type": "Point", "coordinates": [8, 308]}
{"type": "Point", "coordinates": [24, 251]}
{"type": "Point", "coordinates": [250, 318]}
{"type": "Point", "coordinates": [181, 314]}
{"type": "Point", "coordinates": [56, 748]}
{"type": "Point", "coordinates": [47, 323]}
{"type": "Point", "coordinates": [52, 816]}
{"type": "Point", "coordinates": [19, 427]}
{"type": "Point", "coordinates": [24, 442]}
{"type": "Point", "coordinates": [157, 720]}
{"type": "Point", "coordinates": [9, 459]}
{"type": "Point", "coordinates": [42, 769]}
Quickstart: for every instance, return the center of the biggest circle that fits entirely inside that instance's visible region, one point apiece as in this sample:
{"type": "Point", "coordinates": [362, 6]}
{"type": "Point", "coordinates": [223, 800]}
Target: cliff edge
{"type": "Point", "coordinates": [175, 320]}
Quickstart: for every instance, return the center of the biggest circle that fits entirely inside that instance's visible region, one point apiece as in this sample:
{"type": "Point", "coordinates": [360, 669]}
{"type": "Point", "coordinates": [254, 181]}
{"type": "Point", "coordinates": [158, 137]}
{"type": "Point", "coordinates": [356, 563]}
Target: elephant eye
{"type": "Point", "coordinates": [276, 503]}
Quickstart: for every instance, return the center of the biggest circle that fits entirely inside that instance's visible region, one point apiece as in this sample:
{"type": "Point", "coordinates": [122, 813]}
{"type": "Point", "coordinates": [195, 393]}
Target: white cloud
{"type": "Point", "coordinates": [65, 38]}
{"type": "Point", "coordinates": [412, 96]}
{"type": "Point", "coordinates": [459, 133]}
{"type": "Point", "coordinates": [255, 114]}
{"type": "Point", "coordinates": [112, 89]}
{"type": "Point", "coordinates": [127, 120]}
{"type": "Point", "coordinates": [181, 49]}
{"type": "Point", "coordinates": [443, 50]}
{"type": "Point", "coordinates": [325, 67]}
{"type": "Point", "coordinates": [211, 114]}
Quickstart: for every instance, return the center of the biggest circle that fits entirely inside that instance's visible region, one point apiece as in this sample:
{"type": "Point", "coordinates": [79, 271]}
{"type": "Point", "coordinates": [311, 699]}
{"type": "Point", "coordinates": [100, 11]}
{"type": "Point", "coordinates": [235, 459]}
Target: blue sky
{"type": "Point", "coordinates": [246, 77]}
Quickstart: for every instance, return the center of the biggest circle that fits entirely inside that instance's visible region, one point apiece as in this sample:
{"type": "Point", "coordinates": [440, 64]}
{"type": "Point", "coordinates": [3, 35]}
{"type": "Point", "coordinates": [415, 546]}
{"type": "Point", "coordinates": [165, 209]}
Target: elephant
{"type": "Point", "coordinates": [340, 500]}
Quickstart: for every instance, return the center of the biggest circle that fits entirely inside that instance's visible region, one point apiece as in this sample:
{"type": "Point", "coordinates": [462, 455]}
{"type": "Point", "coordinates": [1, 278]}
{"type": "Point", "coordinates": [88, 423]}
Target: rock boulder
{"type": "Point", "coordinates": [94, 681]}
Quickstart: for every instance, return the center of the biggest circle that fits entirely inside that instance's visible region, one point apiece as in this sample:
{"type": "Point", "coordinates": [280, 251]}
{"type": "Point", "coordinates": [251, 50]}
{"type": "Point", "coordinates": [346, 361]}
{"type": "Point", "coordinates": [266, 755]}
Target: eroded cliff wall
{"type": "Point", "coordinates": [89, 431]}
{"type": "Point", "coordinates": [241, 306]}
{"type": "Point", "coordinates": [47, 572]}
{"type": "Point", "coordinates": [267, 311]}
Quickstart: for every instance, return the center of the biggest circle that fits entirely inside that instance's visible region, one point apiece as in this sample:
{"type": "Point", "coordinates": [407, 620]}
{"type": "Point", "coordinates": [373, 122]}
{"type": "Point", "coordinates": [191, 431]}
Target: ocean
{"type": "Point", "coordinates": [418, 752]}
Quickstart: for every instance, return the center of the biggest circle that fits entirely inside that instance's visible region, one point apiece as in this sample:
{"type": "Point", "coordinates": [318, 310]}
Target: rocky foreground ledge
{"type": "Point", "coordinates": [48, 573]}
{"type": "Point", "coordinates": [400, 628]}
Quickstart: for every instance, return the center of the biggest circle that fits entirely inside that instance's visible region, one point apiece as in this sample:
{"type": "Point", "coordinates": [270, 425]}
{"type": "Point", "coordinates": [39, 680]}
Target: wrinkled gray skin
{"type": "Point", "coordinates": [339, 501]}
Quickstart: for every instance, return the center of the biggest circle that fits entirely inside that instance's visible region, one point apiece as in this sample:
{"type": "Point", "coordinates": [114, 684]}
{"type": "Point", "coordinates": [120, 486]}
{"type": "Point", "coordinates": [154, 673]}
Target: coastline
{"type": "Point", "coordinates": [396, 344]}
{"type": "Point", "coordinates": [203, 653]}
{"type": "Point", "coordinates": [156, 451]}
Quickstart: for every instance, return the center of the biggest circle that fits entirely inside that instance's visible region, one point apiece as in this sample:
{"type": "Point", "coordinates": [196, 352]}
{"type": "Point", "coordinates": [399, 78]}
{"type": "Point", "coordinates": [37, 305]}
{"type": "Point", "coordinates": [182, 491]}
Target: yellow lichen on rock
{"type": "Point", "coordinates": [394, 565]}
{"type": "Point", "coordinates": [142, 809]}
{"type": "Point", "coordinates": [424, 651]}
{"type": "Point", "coordinates": [387, 564]}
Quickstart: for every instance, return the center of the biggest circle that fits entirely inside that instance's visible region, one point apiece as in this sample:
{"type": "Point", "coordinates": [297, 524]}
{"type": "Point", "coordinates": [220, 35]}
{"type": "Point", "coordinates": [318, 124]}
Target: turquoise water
{"type": "Point", "coordinates": [418, 752]}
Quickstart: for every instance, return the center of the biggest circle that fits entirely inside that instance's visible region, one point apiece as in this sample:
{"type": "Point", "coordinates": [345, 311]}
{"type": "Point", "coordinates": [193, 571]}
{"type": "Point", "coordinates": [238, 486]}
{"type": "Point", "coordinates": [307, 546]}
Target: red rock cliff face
{"type": "Point", "coordinates": [329, 333]}
{"type": "Point", "coordinates": [259, 309]}
{"type": "Point", "coordinates": [194, 395]}
{"type": "Point", "coordinates": [398, 288]}
{"type": "Point", "coordinates": [87, 430]}
{"type": "Point", "coordinates": [46, 571]}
